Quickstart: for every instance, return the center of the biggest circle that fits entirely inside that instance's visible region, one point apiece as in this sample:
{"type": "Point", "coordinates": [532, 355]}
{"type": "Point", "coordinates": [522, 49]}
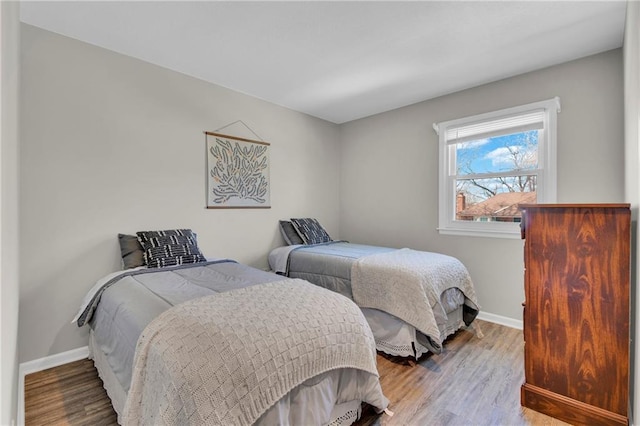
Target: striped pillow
{"type": "Point", "coordinates": [169, 248]}
{"type": "Point", "coordinates": [310, 230]}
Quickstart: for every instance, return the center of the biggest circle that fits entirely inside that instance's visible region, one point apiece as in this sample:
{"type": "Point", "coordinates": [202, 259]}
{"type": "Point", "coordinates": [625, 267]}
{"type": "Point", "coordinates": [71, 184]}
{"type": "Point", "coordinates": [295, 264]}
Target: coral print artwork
{"type": "Point", "coordinates": [237, 172]}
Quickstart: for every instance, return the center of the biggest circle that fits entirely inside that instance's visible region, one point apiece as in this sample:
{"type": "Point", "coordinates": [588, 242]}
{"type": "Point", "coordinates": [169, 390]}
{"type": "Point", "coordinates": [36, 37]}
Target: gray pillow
{"type": "Point", "coordinates": [289, 233]}
{"type": "Point", "coordinates": [310, 230]}
{"type": "Point", "coordinates": [169, 248]}
{"type": "Point", "coordinates": [131, 251]}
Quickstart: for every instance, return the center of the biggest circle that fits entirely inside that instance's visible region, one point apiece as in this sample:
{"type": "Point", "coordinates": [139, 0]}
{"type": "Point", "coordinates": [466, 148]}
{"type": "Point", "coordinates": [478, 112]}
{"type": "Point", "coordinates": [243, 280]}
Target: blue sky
{"type": "Point", "coordinates": [498, 154]}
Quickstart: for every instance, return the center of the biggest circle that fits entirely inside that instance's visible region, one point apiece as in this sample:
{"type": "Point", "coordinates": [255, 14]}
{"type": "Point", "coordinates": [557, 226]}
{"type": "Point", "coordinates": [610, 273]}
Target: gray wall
{"type": "Point", "coordinates": [389, 163]}
{"type": "Point", "coordinates": [112, 144]}
{"type": "Point", "coordinates": [9, 284]}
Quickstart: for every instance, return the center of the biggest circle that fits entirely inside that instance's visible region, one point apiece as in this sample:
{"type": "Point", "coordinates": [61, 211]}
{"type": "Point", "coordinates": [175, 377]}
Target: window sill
{"type": "Point", "coordinates": [514, 235]}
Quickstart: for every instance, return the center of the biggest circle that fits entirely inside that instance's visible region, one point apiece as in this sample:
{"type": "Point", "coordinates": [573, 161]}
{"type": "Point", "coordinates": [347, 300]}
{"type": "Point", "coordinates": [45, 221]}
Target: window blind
{"type": "Point", "coordinates": [531, 120]}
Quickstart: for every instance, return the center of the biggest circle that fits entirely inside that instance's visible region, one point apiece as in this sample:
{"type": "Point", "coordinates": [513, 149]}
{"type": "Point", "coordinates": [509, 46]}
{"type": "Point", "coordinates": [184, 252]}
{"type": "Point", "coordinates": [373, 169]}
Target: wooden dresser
{"type": "Point", "coordinates": [576, 311]}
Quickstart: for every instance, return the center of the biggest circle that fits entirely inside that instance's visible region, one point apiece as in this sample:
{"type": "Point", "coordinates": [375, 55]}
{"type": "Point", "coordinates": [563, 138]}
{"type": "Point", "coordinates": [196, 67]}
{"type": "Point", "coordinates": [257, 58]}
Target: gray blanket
{"type": "Point", "coordinates": [226, 359]}
{"type": "Point", "coordinates": [91, 303]}
{"type": "Point", "coordinates": [332, 266]}
{"type": "Point", "coordinates": [329, 265]}
{"type": "Point", "coordinates": [408, 284]}
{"type": "Point", "coordinates": [121, 305]}
{"type": "Point", "coordinates": [119, 308]}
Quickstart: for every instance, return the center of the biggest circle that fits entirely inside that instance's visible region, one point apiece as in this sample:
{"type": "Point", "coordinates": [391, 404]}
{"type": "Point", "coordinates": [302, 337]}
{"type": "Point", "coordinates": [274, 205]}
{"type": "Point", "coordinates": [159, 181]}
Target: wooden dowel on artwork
{"type": "Point", "coordinates": [236, 138]}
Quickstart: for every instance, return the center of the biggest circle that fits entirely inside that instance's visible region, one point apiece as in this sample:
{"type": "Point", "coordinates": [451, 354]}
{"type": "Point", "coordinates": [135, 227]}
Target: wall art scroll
{"type": "Point", "coordinates": [237, 172]}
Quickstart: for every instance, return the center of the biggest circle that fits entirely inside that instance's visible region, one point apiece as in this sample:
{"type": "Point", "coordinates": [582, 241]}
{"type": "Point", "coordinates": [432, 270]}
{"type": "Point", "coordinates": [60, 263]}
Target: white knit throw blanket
{"type": "Point", "coordinates": [407, 284]}
{"type": "Point", "coordinates": [225, 359]}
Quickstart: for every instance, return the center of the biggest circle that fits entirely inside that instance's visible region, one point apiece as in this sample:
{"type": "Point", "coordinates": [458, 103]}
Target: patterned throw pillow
{"type": "Point", "coordinates": [310, 230]}
{"type": "Point", "coordinates": [169, 248]}
{"type": "Point", "coordinates": [289, 233]}
{"type": "Point", "coordinates": [131, 251]}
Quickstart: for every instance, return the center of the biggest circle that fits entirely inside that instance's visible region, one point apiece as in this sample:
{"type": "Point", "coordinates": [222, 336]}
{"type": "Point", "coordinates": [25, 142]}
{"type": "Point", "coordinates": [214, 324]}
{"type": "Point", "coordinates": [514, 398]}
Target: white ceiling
{"type": "Point", "coordinates": [341, 61]}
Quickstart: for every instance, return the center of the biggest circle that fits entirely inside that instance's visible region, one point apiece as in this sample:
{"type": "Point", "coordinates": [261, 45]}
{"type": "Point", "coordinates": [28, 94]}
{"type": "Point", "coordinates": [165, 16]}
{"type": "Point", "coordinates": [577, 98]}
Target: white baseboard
{"type": "Point", "coordinates": [499, 319]}
{"type": "Point", "coordinates": [42, 364]}
{"type": "Point", "coordinates": [53, 360]}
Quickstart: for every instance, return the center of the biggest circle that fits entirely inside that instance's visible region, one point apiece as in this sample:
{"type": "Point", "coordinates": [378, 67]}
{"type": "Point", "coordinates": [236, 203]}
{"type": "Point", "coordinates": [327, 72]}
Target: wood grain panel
{"type": "Point", "coordinates": [577, 305]}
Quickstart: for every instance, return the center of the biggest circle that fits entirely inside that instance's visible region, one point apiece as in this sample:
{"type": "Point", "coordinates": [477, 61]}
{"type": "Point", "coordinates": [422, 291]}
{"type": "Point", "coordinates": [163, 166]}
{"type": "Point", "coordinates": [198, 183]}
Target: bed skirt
{"type": "Point", "coordinates": [114, 389]}
{"type": "Point", "coordinates": [398, 338]}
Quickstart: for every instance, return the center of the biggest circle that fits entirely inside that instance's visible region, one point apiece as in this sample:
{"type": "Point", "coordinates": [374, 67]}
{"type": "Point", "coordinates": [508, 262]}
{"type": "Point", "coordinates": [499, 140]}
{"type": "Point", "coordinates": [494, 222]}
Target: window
{"type": "Point", "coordinates": [492, 162]}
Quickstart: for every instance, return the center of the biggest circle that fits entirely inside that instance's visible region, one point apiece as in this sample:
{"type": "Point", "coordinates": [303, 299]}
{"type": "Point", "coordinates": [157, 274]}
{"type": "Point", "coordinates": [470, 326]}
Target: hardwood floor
{"type": "Point", "coordinates": [473, 382]}
{"type": "Point", "coordinates": [71, 394]}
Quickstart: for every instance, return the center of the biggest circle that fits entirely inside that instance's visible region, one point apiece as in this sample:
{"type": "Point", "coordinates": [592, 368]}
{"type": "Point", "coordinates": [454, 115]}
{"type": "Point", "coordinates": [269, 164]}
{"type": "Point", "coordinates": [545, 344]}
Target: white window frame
{"type": "Point", "coordinates": [546, 175]}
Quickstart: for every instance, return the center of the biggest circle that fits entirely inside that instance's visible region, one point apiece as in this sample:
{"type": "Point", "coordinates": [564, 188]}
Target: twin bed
{"type": "Point", "coordinates": [412, 300]}
{"type": "Point", "coordinates": [217, 342]}
{"type": "Point", "coordinates": [177, 338]}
